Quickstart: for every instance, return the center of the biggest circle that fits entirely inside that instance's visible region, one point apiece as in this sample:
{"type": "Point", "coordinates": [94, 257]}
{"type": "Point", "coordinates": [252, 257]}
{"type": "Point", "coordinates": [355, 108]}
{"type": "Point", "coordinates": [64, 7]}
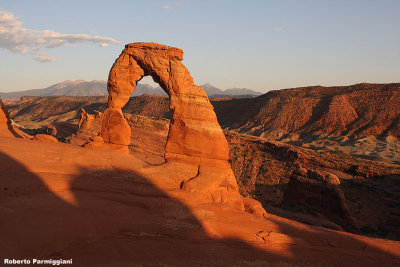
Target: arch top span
{"type": "Point", "coordinates": [159, 49]}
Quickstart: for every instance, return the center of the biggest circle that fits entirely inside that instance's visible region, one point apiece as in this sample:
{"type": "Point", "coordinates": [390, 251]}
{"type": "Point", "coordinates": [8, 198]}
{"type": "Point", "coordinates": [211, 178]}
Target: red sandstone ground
{"type": "Point", "coordinates": [58, 202]}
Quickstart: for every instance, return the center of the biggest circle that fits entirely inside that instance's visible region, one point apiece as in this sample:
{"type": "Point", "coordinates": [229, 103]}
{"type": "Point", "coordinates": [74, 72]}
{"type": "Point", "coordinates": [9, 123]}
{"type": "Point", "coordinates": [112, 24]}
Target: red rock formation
{"type": "Point", "coordinates": [195, 137]}
{"type": "Point", "coordinates": [45, 137]}
{"type": "Point", "coordinates": [5, 121]}
{"type": "Point", "coordinates": [194, 129]}
{"type": "Point", "coordinates": [89, 125]}
{"type": "Point", "coordinates": [319, 190]}
{"type": "Point", "coordinates": [6, 127]}
{"type": "Point", "coordinates": [51, 130]}
{"type": "Point", "coordinates": [366, 191]}
{"type": "Point", "coordinates": [356, 110]}
{"type": "Point", "coordinates": [115, 129]}
{"type": "Point", "coordinates": [85, 122]}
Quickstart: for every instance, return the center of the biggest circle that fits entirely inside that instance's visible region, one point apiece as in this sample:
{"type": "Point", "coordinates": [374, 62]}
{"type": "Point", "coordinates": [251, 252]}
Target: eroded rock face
{"type": "Point", "coordinates": [4, 118]}
{"type": "Point", "coordinates": [115, 129]}
{"type": "Point", "coordinates": [6, 128]}
{"type": "Point", "coordinates": [195, 138]}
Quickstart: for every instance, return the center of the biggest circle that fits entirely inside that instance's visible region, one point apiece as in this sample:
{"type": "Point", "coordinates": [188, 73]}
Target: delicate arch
{"type": "Point", "coordinates": [195, 137]}
{"type": "Point", "coordinates": [194, 127]}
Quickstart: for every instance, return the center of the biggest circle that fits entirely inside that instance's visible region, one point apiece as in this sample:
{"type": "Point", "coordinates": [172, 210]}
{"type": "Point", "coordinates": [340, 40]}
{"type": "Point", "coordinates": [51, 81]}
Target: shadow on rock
{"type": "Point", "coordinates": [115, 217]}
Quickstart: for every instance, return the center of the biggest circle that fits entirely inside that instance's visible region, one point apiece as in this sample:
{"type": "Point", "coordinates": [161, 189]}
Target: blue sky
{"type": "Point", "coordinates": [261, 45]}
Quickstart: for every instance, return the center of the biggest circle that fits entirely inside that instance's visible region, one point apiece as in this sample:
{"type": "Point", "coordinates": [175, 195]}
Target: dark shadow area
{"type": "Point", "coordinates": [392, 126]}
{"type": "Point", "coordinates": [118, 218]}
{"type": "Point", "coordinates": [233, 113]}
{"type": "Point", "coordinates": [373, 202]}
{"type": "Point", "coordinates": [113, 224]}
{"type": "Point", "coordinates": [269, 194]}
{"type": "Point", "coordinates": [376, 200]}
{"type": "Point", "coordinates": [272, 199]}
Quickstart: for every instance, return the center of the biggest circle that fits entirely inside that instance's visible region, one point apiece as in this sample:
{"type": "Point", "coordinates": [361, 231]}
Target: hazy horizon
{"type": "Point", "coordinates": [259, 45]}
{"type": "Point", "coordinates": [148, 81]}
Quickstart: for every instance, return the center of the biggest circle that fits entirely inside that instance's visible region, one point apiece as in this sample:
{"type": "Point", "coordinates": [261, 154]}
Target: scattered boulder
{"type": "Point", "coordinates": [97, 142]}
{"type": "Point", "coordinates": [89, 121]}
{"type": "Point", "coordinates": [45, 137]}
{"type": "Point", "coordinates": [51, 130]}
{"type": "Point", "coordinates": [253, 206]}
{"type": "Point", "coordinates": [85, 122]}
{"type": "Point", "coordinates": [322, 176]}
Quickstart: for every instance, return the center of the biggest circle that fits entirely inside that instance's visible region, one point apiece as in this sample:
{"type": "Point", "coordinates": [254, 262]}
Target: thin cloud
{"type": "Point", "coordinates": [177, 4]}
{"type": "Point", "coordinates": [15, 38]}
{"type": "Point", "coordinates": [278, 29]}
{"type": "Point", "coordinates": [181, 2]}
{"type": "Point", "coordinates": [43, 58]}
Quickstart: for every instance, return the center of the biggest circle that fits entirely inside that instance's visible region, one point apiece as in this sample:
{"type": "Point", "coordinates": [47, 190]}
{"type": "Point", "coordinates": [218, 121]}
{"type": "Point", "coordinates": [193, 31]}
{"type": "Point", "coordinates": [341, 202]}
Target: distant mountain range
{"type": "Point", "coordinates": [99, 88]}
{"type": "Point", "coordinates": [213, 91]}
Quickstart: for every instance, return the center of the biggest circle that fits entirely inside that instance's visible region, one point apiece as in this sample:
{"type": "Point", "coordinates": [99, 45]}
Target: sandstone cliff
{"type": "Point", "coordinates": [357, 110]}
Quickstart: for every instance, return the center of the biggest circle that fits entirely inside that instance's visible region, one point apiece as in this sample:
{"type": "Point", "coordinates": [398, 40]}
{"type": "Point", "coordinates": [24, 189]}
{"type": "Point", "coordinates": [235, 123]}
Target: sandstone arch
{"type": "Point", "coordinates": [195, 138]}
